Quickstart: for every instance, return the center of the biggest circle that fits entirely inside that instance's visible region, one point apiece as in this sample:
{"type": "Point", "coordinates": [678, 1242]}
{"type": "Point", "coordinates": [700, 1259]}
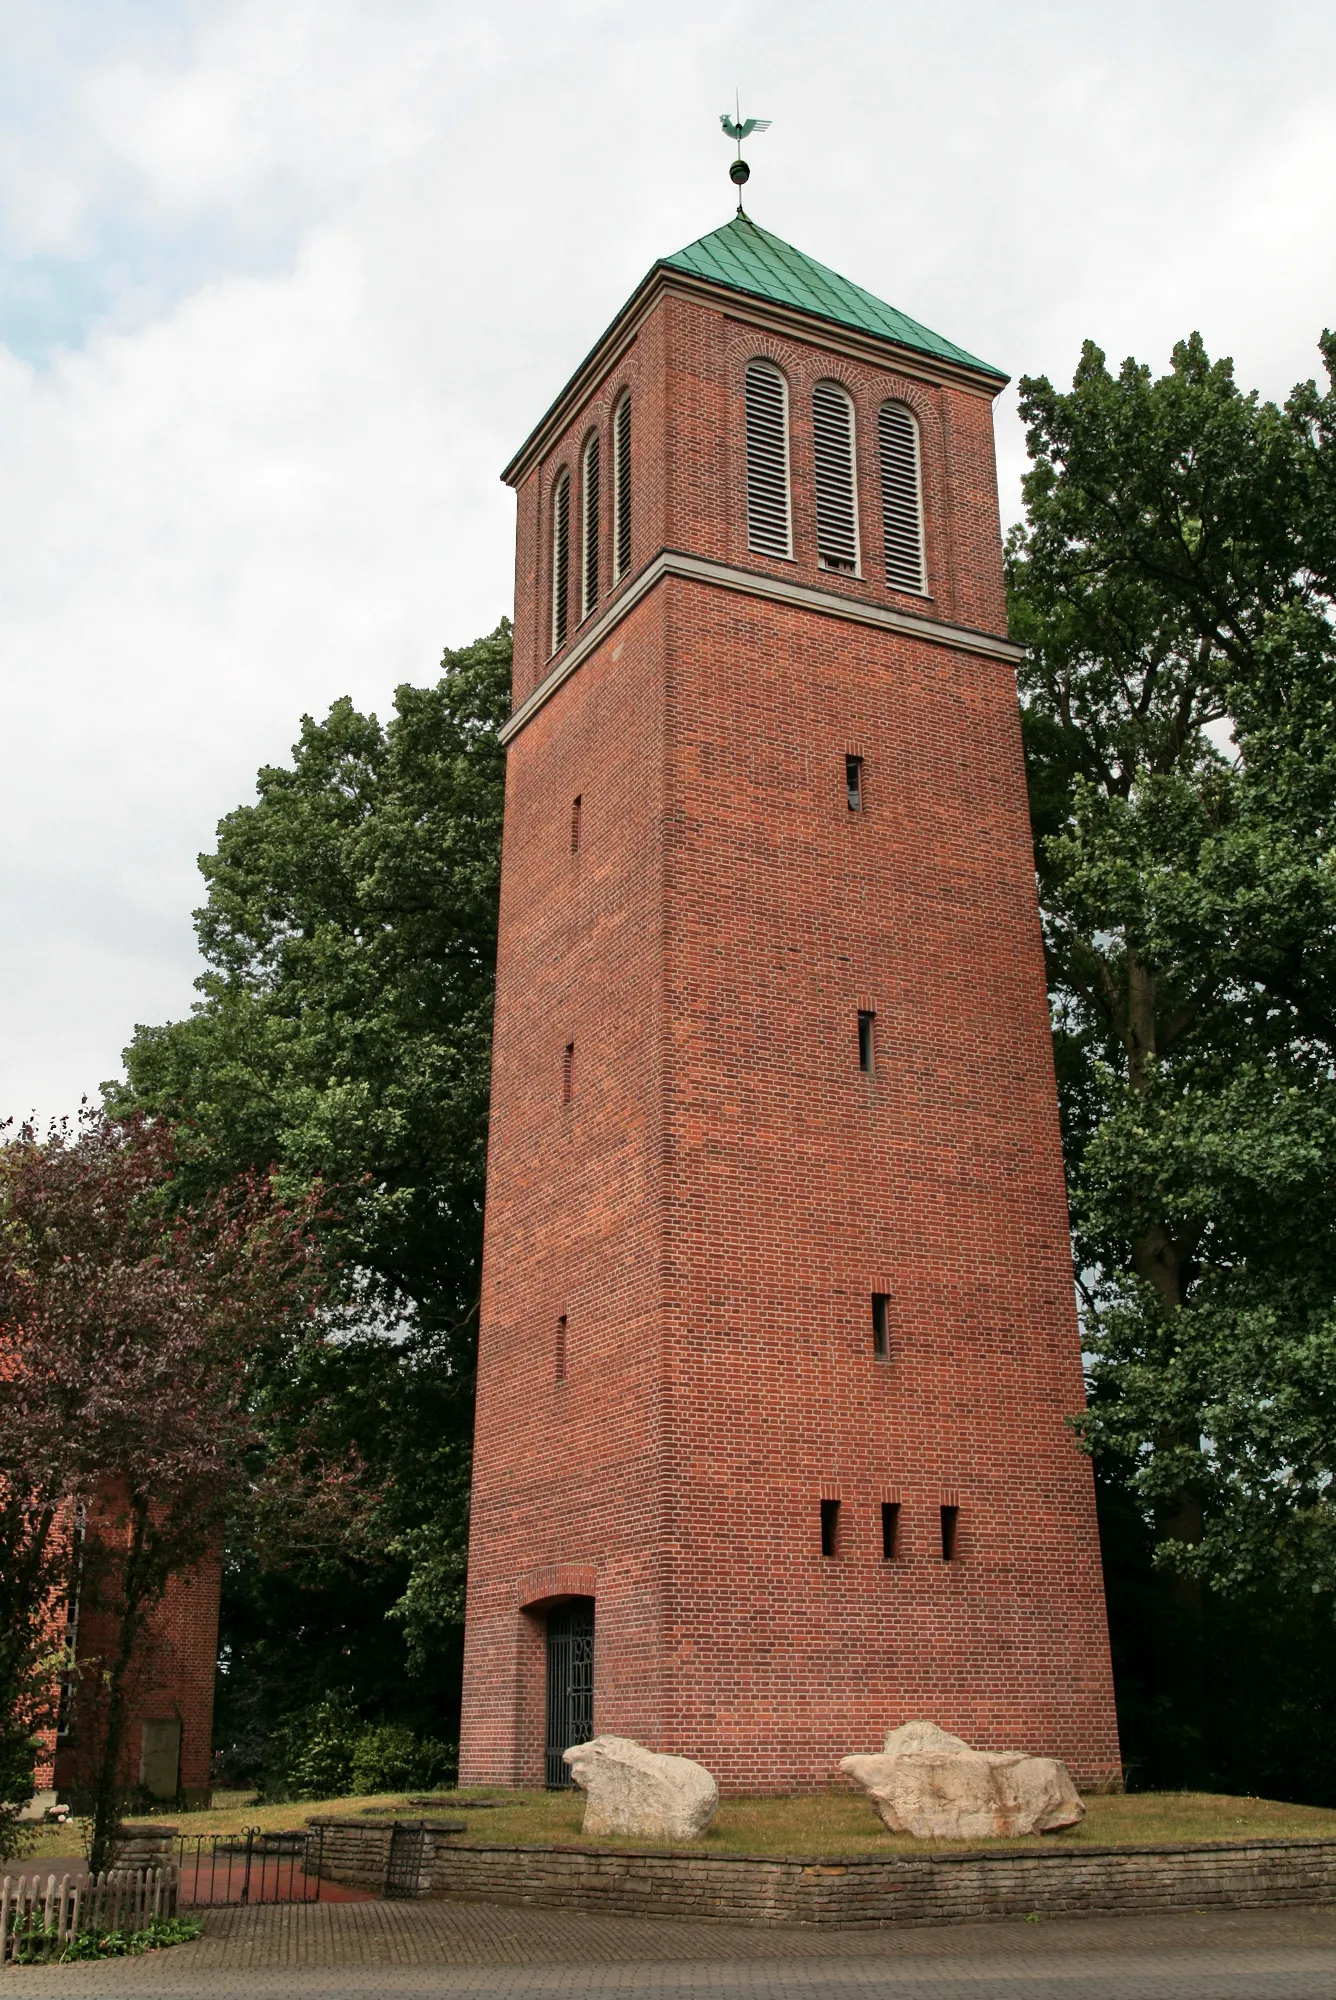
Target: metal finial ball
{"type": "Point", "coordinates": [739, 172]}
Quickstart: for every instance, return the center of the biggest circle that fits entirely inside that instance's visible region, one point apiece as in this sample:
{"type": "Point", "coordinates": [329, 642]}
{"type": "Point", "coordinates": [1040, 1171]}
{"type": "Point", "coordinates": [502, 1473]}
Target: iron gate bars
{"type": "Point", "coordinates": [403, 1865]}
{"type": "Point", "coordinates": [570, 1685]}
{"type": "Point", "coordinates": [251, 1867]}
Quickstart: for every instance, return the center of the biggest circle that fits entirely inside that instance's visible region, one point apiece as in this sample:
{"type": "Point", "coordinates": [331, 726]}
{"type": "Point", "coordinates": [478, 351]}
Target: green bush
{"type": "Point", "coordinates": [328, 1752]}
{"type": "Point", "coordinates": [315, 1758]}
{"type": "Point", "coordinates": [388, 1757]}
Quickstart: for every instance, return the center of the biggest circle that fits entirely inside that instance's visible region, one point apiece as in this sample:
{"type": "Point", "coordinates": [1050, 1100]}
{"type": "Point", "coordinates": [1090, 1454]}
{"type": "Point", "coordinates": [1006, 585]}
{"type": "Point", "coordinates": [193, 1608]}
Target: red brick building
{"type": "Point", "coordinates": [778, 1343]}
{"type": "Point", "coordinates": [167, 1746]}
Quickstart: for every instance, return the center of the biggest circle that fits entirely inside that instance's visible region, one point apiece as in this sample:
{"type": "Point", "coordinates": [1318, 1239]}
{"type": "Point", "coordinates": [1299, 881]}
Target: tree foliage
{"type": "Point", "coordinates": [343, 1034]}
{"type": "Point", "coordinates": [1174, 583]}
{"type": "Point", "coordinates": [140, 1341]}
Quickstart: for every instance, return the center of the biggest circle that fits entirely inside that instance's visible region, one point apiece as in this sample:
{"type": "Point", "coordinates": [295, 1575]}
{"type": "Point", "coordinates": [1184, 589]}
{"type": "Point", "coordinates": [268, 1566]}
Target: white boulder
{"type": "Point", "coordinates": [931, 1784]}
{"type": "Point", "coordinates": [634, 1790]}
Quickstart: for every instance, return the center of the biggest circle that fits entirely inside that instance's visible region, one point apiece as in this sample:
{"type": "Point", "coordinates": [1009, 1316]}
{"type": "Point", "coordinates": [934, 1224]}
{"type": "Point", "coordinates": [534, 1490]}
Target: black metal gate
{"type": "Point", "coordinates": [250, 1866]}
{"type": "Point", "coordinates": [403, 1867]}
{"type": "Point", "coordinates": [570, 1684]}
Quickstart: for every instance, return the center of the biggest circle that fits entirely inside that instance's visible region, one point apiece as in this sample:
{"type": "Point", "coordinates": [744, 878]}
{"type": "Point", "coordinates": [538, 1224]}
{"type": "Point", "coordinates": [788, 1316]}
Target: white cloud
{"type": "Point", "coordinates": [316, 268]}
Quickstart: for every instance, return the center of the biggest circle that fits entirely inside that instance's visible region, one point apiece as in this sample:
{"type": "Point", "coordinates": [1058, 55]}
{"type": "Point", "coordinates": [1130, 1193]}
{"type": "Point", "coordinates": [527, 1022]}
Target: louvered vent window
{"type": "Point", "coordinates": [561, 558]}
{"type": "Point", "coordinates": [768, 529]}
{"type": "Point", "coordinates": [621, 490]}
{"type": "Point", "coordinates": [836, 502]}
{"type": "Point", "coordinates": [589, 530]}
{"type": "Point", "coordinates": [901, 499]}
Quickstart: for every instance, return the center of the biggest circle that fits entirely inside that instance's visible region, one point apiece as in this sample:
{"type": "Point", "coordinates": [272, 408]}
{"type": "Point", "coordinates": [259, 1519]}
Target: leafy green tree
{"type": "Point", "coordinates": [1173, 581]}
{"type": "Point", "coordinates": [343, 1034]}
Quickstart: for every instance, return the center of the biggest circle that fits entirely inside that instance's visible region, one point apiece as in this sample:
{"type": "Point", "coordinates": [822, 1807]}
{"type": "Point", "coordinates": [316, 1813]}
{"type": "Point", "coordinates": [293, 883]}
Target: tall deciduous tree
{"type": "Point", "coordinates": [1174, 583]}
{"type": "Point", "coordinates": [343, 1031]}
{"type": "Point", "coordinates": [140, 1336]}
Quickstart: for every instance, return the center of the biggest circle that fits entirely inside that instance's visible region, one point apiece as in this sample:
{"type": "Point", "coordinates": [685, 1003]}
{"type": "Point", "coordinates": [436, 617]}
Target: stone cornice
{"type": "Point", "coordinates": [778, 590]}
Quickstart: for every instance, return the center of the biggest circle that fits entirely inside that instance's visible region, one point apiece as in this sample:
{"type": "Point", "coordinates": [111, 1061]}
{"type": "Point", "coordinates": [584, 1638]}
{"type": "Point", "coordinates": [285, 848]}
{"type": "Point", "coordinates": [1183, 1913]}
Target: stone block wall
{"type": "Point", "coordinates": [935, 1889]}
{"type": "Point", "coordinates": [357, 1851]}
{"type": "Point", "coordinates": [904, 1889]}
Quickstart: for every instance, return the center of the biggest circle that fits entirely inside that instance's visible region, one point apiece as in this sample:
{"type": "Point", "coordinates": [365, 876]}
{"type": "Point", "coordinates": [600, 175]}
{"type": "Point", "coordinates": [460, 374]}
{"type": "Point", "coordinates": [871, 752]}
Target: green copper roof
{"type": "Point", "coordinates": [751, 260]}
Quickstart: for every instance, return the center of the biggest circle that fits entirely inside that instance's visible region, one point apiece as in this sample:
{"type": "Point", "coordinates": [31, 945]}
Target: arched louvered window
{"type": "Point", "coordinates": [768, 524]}
{"type": "Point", "coordinates": [836, 491]}
{"type": "Point", "coordinates": [589, 529]}
{"type": "Point", "coordinates": [561, 558]}
{"type": "Point", "coordinates": [621, 490]}
{"type": "Point", "coordinates": [901, 498]}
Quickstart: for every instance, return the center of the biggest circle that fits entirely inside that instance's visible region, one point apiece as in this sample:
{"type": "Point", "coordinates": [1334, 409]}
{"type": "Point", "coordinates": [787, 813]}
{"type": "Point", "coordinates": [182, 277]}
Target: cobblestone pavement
{"type": "Point", "coordinates": [398, 1951]}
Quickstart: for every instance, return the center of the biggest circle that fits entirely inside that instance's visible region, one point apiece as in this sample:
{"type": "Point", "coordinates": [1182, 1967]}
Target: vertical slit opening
{"type": "Point", "coordinates": [561, 1348]}
{"type": "Point", "coordinates": [853, 783]}
{"type": "Point", "coordinates": [865, 1020]}
{"type": "Point", "coordinates": [577, 805]}
{"type": "Point", "coordinates": [881, 1325]}
{"type": "Point", "coordinates": [950, 1523]}
{"type": "Point", "coordinates": [567, 1072]}
{"type": "Point", "coordinates": [890, 1528]}
{"type": "Point", "coordinates": [830, 1527]}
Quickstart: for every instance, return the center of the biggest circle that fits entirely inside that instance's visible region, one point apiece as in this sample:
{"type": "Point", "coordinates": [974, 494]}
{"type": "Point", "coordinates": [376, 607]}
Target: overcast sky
{"type": "Point", "coordinates": [283, 284]}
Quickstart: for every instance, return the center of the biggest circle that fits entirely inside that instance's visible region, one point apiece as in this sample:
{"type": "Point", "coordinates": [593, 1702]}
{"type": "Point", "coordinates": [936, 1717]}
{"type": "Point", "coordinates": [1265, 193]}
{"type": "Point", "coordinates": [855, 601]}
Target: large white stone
{"type": "Point", "coordinates": [633, 1790]}
{"type": "Point", "coordinates": [931, 1784]}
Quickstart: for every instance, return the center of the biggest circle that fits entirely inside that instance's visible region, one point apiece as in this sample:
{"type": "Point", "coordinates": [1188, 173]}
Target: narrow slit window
{"type": "Point", "coordinates": [853, 783]}
{"type": "Point", "coordinates": [836, 486]}
{"type": "Point", "coordinates": [561, 558]}
{"type": "Point", "coordinates": [589, 529]}
{"type": "Point", "coordinates": [561, 1348]}
{"type": "Point", "coordinates": [950, 1525]}
{"type": "Point", "coordinates": [881, 1325]}
{"type": "Point", "coordinates": [830, 1527]}
{"type": "Point", "coordinates": [568, 1072]}
{"type": "Point", "coordinates": [865, 1050]}
{"type": "Point", "coordinates": [577, 811]}
{"type": "Point", "coordinates": [621, 490]}
{"type": "Point", "coordinates": [769, 528]}
{"type": "Point", "coordinates": [890, 1528]}
{"type": "Point", "coordinates": [901, 499]}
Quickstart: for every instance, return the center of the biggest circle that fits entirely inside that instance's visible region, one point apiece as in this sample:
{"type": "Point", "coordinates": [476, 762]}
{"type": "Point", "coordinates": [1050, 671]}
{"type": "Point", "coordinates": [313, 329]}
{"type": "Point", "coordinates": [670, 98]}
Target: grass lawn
{"type": "Point", "coordinates": [832, 1823]}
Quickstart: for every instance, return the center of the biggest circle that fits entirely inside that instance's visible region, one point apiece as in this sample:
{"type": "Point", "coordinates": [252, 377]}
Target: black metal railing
{"type": "Point", "coordinates": [250, 1866]}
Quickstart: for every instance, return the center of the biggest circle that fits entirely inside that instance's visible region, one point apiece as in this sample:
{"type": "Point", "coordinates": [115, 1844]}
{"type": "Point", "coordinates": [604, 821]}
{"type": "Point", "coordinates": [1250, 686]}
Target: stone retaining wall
{"type": "Point", "coordinates": [927, 1889]}
{"type": "Point", "coordinates": [357, 1851]}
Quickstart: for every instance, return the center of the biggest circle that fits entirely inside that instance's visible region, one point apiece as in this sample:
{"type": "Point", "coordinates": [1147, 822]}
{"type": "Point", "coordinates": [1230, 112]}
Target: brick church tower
{"type": "Point", "coordinates": [778, 1343]}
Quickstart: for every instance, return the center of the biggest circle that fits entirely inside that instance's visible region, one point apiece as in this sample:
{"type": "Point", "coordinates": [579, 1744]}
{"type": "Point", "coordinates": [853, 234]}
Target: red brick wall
{"type": "Point", "coordinates": [171, 1677]}
{"type": "Point", "coordinates": [572, 1466]}
{"type": "Point", "coordinates": [714, 1209]}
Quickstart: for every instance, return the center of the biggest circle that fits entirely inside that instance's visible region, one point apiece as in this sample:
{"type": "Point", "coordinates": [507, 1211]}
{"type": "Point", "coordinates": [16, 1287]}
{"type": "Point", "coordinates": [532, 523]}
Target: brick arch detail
{"type": "Point", "coordinates": [764, 350]}
{"type": "Point", "coordinates": [538, 1587]}
{"type": "Point", "coordinates": [838, 370]}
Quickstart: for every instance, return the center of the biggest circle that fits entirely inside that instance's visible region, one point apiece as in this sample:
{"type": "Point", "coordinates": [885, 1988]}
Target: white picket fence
{"type": "Point", "coordinates": [40, 1917]}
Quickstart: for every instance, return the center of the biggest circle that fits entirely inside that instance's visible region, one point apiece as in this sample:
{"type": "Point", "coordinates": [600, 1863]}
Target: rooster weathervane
{"type": "Point", "coordinates": [739, 128]}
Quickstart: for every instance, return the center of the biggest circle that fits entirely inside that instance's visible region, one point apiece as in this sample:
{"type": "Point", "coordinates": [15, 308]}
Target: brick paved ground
{"type": "Point", "coordinates": [394, 1950]}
